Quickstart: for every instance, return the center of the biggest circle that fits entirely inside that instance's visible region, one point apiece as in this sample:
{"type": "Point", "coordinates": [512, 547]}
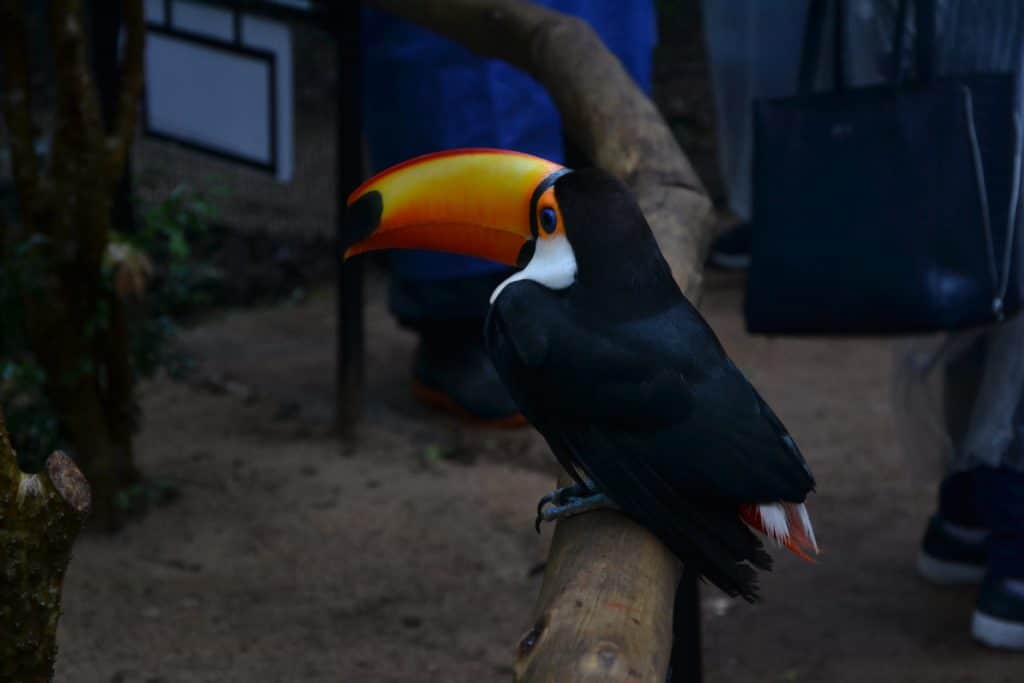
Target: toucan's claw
{"type": "Point", "coordinates": [570, 501]}
{"type": "Point", "coordinates": [560, 496]}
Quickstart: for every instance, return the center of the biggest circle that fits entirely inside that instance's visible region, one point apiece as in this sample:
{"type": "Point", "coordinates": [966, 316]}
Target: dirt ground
{"type": "Point", "coordinates": [293, 556]}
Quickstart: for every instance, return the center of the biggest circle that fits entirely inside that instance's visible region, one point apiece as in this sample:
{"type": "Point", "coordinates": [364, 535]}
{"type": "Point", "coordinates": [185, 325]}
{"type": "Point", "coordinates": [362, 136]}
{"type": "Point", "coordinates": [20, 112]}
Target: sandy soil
{"type": "Point", "coordinates": [291, 556]}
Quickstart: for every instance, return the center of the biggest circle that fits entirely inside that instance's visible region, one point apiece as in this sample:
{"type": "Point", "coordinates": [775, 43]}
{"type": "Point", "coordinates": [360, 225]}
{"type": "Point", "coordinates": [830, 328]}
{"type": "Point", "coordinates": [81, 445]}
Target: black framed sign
{"type": "Point", "coordinates": [219, 80]}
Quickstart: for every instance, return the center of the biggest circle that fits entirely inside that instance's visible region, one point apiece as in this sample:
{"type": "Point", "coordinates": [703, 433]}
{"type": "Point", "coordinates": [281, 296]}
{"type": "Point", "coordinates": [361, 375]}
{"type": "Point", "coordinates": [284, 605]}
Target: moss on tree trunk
{"type": "Point", "coordinates": [75, 322]}
{"type": "Point", "coordinates": [40, 516]}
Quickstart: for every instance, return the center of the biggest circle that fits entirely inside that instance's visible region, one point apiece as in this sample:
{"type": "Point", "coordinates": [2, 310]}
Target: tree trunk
{"type": "Point", "coordinates": [40, 517]}
{"type": "Point", "coordinates": [605, 609]}
{"type": "Point", "coordinates": [75, 322]}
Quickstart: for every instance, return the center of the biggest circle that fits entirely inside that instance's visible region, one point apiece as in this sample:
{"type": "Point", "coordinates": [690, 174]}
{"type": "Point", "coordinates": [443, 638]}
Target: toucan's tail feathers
{"type": "Point", "coordinates": [787, 524]}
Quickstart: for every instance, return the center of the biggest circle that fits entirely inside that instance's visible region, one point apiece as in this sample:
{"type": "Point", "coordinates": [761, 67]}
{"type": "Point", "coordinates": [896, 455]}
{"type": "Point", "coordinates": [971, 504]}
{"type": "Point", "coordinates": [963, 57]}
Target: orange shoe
{"type": "Point", "coordinates": [456, 376]}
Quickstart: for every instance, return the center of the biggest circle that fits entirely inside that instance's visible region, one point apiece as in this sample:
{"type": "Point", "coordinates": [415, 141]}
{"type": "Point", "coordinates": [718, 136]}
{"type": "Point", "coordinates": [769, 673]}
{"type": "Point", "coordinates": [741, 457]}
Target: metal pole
{"type": "Point", "coordinates": [686, 663]}
{"type": "Point", "coordinates": [351, 330]}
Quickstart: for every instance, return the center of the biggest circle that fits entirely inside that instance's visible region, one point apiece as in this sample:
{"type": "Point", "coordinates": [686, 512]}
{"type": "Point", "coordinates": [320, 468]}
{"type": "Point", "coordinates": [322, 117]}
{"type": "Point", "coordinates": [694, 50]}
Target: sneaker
{"type": "Point", "coordinates": [456, 376]}
{"type": "Point", "coordinates": [731, 250]}
{"type": "Point", "coordinates": [999, 617]}
{"type": "Point", "coordinates": [952, 554]}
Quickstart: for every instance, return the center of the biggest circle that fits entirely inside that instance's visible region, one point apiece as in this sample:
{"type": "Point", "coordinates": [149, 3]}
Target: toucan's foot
{"type": "Point", "coordinates": [562, 495]}
{"type": "Point", "coordinates": [570, 501]}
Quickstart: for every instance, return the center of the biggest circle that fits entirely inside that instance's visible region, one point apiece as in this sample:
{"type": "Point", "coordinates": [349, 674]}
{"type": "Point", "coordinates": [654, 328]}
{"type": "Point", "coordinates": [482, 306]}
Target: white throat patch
{"type": "Point", "coordinates": [553, 265]}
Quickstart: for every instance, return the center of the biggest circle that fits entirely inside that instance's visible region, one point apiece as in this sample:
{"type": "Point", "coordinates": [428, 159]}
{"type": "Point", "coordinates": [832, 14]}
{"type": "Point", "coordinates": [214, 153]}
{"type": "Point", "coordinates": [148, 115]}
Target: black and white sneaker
{"type": "Point", "coordinates": [998, 620]}
{"type": "Point", "coordinates": [952, 554]}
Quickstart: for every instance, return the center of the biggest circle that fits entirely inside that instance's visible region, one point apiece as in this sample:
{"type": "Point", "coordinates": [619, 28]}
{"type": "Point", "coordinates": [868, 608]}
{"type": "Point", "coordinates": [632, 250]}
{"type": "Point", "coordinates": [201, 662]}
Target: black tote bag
{"type": "Point", "coordinates": [886, 209]}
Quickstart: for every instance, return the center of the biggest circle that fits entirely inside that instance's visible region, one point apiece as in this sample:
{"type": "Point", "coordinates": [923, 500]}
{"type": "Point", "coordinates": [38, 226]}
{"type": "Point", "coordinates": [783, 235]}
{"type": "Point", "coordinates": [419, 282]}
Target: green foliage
{"type": "Point", "coordinates": [182, 282]}
{"type": "Point", "coordinates": [434, 454]}
{"type": "Point", "coordinates": [138, 498]}
{"type": "Point", "coordinates": [22, 384]}
{"type": "Point", "coordinates": [21, 269]}
{"type": "Point", "coordinates": [22, 380]}
{"type": "Point", "coordinates": [170, 228]}
{"type": "Point", "coordinates": [178, 283]}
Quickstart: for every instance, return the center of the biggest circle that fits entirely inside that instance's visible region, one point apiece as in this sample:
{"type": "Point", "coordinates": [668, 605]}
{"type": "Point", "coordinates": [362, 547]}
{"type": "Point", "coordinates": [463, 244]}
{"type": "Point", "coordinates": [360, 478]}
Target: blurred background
{"type": "Point", "coordinates": [241, 534]}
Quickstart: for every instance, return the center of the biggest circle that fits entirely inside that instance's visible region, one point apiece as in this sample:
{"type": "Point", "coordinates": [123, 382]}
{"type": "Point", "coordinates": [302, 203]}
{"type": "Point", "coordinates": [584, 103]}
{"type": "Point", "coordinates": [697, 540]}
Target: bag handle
{"type": "Point", "coordinates": [810, 53]}
{"type": "Point", "coordinates": [814, 28]}
{"type": "Point", "coordinates": [1000, 273]}
{"type": "Point", "coordinates": [924, 40]}
{"type": "Point", "coordinates": [1015, 194]}
{"type": "Point", "coordinates": [924, 53]}
{"type": "Point", "coordinates": [1011, 226]}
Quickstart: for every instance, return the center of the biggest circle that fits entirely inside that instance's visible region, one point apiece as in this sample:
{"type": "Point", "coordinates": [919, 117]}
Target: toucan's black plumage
{"type": "Point", "coordinates": [632, 389]}
{"type": "Point", "coordinates": [604, 354]}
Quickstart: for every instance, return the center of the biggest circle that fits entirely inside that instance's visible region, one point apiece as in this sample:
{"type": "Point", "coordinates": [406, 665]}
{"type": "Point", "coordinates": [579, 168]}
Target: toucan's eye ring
{"type": "Point", "coordinates": [548, 219]}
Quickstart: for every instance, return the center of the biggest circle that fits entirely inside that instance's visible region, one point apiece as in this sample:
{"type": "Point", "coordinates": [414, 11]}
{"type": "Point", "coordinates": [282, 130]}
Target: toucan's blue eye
{"type": "Point", "coordinates": [548, 219]}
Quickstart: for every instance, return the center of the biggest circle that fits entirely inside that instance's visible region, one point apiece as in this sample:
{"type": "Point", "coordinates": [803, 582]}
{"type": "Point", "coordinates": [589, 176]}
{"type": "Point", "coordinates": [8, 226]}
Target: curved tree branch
{"type": "Point", "coordinates": [605, 609]}
{"type": "Point", "coordinates": [603, 110]}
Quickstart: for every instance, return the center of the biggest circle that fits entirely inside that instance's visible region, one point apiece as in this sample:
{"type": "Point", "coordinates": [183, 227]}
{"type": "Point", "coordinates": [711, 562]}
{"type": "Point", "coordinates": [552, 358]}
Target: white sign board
{"type": "Point", "coordinates": [220, 81]}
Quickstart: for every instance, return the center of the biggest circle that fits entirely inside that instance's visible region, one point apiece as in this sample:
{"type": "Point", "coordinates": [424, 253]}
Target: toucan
{"type": "Point", "coordinates": [604, 355]}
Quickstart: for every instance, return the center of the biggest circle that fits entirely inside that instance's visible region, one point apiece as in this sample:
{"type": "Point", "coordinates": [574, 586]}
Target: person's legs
{"type": "Point", "coordinates": [424, 94]}
{"type": "Point", "coordinates": [451, 370]}
{"type": "Point", "coordinates": [999, 501]}
{"type": "Point", "coordinates": [957, 504]}
{"type": "Point", "coordinates": [954, 547]}
{"type": "Point", "coordinates": [977, 534]}
{"type": "Point", "coordinates": [999, 617]}
{"type": "Point", "coordinates": [754, 52]}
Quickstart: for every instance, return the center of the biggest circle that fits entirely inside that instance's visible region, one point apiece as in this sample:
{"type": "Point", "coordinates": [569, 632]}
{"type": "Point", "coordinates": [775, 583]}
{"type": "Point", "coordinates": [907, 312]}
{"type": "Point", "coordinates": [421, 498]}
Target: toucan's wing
{"type": "Point", "coordinates": [610, 411]}
{"type": "Point", "coordinates": [659, 390]}
{"type": "Point", "coordinates": [658, 416]}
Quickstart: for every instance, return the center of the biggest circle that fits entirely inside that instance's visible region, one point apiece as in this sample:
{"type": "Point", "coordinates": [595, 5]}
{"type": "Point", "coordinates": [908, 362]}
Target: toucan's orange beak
{"type": "Point", "coordinates": [476, 202]}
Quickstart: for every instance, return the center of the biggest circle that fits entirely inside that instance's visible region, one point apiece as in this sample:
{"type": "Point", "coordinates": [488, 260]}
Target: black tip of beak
{"type": "Point", "coordinates": [361, 219]}
{"type": "Point", "coordinates": [526, 253]}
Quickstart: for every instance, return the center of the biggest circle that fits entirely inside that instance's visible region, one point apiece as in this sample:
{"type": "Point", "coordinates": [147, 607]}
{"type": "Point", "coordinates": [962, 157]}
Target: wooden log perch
{"type": "Point", "coordinates": [40, 517]}
{"type": "Point", "coordinates": [605, 608]}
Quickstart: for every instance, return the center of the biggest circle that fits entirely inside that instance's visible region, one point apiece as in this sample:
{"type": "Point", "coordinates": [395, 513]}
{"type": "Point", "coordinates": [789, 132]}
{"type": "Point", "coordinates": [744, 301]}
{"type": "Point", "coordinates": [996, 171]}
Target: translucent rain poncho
{"type": "Point", "coordinates": [957, 397]}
